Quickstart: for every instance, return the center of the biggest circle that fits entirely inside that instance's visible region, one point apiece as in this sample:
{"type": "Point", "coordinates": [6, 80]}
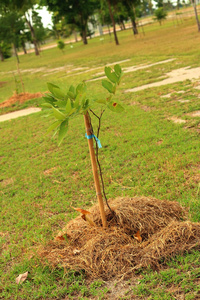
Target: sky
{"type": "Point", "coordinates": [46, 16]}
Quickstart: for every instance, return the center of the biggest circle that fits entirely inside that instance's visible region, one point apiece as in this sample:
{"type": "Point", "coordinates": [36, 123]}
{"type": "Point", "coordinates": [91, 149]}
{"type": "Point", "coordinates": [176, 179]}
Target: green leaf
{"type": "Point", "coordinates": [63, 131]}
{"type": "Point", "coordinates": [68, 107]}
{"type": "Point", "coordinates": [72, 89]}
{"type": "Point", "coordinates": [81, 88]}
{"type": "Point", "coordinates": [85, 105]}
{"type": "Point", "coordinates": [49, 99]}
{"type": "Point", "coordinates": [51, 86]}
{"type": "Point", "coordinates": [77, 100]}
{"type": "Point", "coordinates": [58, 114]}
{"type": "Point", "coordinates": [118, 70]}
{"type": "Point", "coordinates": [71, 95]}
{"type": "Point", "coordinates": [46, 105]}
{"type": "Point", "coordinates": [56, 91]}
{"type": "Point", "coordinates": [116, 107]}
{"type": "Point", "coordinates": [53, 126]}
{"type": "Point", "coordinates": [108, 86]}
{"type": "Point", "coordinates": [61, 103]}
{"type": "Point", "coordinates": [72, 111]}
{"type": "Point", "coordinates": [111, 75]}
{"type": "Point", "coordinates": [101, 101]}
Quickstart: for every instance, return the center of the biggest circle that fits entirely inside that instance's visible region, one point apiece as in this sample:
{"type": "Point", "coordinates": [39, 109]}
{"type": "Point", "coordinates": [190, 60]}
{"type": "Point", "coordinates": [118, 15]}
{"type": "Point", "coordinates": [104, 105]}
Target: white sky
{"type": "Point", "coordinates": [46, 16]}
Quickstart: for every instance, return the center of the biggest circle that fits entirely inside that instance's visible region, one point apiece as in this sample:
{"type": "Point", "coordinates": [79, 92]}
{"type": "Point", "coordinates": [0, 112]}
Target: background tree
{"type": "Point", "coordinates": [24, 7]}
{"type": "Point", "coordinates": [40, 31]}
{"type": "Point", "coordinates": [130, 6]}
{"type": "Point", "coordinates": [160, 14]}
{"type": "Point", "coordinates": [76, 12]}
{"type": "Point", "coordinates": [104, 15]}
{"type": "Point", "coordinates": [11, 24]}
{"type": "Point", "coordinates": [159, 3]}
{"type": "Point", "coordinates": [196, 14]}
{"type": "Point", "coordinates": [61, 45]}
{"type": "Point", "coordinates": [110, 8]}
{"type": "Point", "coordinates": [25, 36]}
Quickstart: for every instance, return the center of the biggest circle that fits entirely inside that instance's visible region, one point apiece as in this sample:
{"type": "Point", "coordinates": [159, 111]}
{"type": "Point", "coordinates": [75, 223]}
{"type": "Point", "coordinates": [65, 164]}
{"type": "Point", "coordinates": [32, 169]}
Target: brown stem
{"type": "Point", "coordinates": [98, 162]}
{"type": "Point", "coordinates": [94, 169]}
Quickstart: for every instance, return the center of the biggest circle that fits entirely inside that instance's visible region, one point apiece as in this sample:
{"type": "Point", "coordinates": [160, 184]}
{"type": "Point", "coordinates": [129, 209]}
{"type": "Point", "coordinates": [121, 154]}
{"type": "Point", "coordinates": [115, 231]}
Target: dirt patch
{"type": "Point", "coordinates": [177, 120]}
{"type": "Point", "coordinates": [2, 83]}
{"type": "Point", "coordinates": [195, 114]}
{"type": "Point", "coordinates": [173, 76]}
{"type": "Point", "coordinates": [6, 182]}
{"type": "Point", "coordinates": [21, 98]}
{"type": "Point", "coordinates": [115, 252]}
{"type": "Point", "coordinates": [146, 108]}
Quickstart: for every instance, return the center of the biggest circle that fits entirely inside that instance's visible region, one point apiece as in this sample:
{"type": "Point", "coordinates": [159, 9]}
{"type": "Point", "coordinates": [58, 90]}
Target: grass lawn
{"type": "Point", "coordinates": [144, 153]}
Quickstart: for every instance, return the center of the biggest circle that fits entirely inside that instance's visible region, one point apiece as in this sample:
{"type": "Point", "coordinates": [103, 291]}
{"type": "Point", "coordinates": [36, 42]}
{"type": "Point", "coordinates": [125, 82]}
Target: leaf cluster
{"type": "Point", "coordinates": [63, 106]}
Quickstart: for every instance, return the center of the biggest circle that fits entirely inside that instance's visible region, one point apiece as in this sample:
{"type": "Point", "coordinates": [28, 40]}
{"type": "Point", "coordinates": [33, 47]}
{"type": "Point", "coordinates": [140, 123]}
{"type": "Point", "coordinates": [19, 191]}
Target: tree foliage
{"type": "Point", "coordinates": [160, 14]}
{"type": "Point", "coordinates": [76, 12]}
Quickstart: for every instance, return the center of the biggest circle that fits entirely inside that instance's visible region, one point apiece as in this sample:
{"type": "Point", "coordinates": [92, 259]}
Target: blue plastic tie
{"type": "Point", "coordinates": [96, 139]}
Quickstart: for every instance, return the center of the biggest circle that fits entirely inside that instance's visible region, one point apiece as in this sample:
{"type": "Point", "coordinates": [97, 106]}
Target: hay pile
{"type": "Point", "coordinates": [114, 252]}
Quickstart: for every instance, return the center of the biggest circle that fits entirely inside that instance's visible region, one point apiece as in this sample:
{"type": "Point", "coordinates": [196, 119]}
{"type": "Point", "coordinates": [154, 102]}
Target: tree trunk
{"type": "Point", "coordinates": [33, 36]}
{"type": "Point", "coordinates": [15, 51]}
{"type": "Point", "coordinates": [123, 25]}
{"type": "Point", "coordinates": [113, 22]}
{"type": "Point", "coordinates": [196, 15]}
{"type": "Point", "coordinates": [24, 48]}
{"type": "Point", "coordinates": [1, 55]}
{"type": "Point", "coordinates": [84, 36]}
{"type": "Point", "coordinates": [134, 25]}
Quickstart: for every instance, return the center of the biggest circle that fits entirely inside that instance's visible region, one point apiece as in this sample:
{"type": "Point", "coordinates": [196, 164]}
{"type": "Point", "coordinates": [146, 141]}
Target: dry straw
{"type": "Point", "coordinates": [114, 252]}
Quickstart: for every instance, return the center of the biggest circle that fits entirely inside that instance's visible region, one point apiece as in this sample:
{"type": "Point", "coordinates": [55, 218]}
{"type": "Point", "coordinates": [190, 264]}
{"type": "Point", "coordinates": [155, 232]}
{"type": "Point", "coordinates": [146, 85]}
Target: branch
{"type": "Point", "coordinates": [97, 158]}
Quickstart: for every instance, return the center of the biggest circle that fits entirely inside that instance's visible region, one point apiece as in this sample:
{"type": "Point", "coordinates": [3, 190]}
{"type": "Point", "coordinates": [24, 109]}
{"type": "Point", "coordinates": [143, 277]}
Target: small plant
{"type": "Point", "coordinates": [64, 106]}
{"type": "Point", "coordinates": [61, 45]}
{"type": "Point", "coordinates": [160, 15]}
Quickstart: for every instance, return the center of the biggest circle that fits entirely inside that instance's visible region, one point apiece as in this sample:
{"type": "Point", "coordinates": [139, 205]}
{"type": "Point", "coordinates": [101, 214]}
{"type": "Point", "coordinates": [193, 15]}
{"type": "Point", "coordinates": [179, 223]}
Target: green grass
{"type": "Point", "coordinates": [143, 154]}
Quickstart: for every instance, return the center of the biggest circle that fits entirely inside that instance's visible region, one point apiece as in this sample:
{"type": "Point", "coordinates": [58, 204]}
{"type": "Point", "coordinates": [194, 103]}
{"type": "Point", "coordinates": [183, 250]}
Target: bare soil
{"type": "Point", "coordinates": [2, 83]}
{"type": "Point", "coordinates": [173, 76]}
{"type": "Point", "coordinates": [21, 98]}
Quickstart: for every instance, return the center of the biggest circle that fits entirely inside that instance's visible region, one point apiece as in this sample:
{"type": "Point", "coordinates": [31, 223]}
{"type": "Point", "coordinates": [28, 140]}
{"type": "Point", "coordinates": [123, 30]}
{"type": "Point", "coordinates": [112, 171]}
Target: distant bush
{"type": "Point", "coordinates": [6, 50]}
{"type": "Point", "coordinates": [160, 14]}
{"type": "Point", "coordinates": [61, 45]}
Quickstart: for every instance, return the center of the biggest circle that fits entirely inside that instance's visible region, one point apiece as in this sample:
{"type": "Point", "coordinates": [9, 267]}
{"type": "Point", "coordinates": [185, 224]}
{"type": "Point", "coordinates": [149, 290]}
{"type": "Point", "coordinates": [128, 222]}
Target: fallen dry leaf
{"type": "Point", "coordinates": [21, 278]}
{"type": "Point", "coordinates": [138, 237]}
{"type": "Point", "coordinates": [83, 211]}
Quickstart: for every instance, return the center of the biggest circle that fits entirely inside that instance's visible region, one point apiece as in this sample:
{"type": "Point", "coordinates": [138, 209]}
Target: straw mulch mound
{"type": "Point", "coordinates": [114, 251]}
{"type": "Point", "coordinates": [20, 98]}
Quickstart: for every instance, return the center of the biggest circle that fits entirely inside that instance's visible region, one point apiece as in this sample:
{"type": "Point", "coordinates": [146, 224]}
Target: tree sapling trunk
{"type": "Point", "coordinates": [95, 169]}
